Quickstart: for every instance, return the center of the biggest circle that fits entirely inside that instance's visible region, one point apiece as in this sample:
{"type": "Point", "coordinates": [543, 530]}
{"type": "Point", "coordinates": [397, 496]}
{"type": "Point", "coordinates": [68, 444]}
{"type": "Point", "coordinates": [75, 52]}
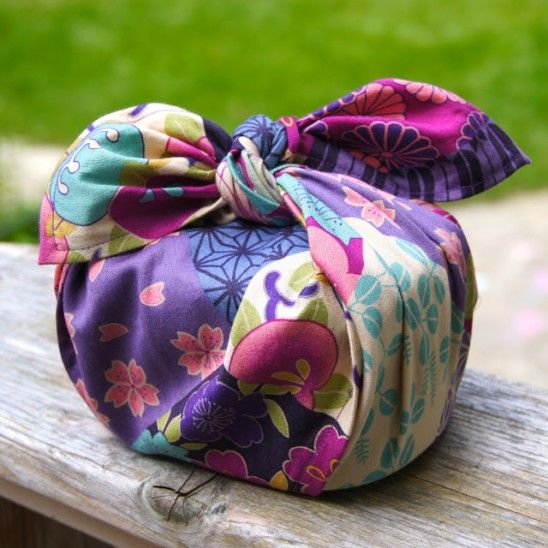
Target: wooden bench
{"type": "Point", "coordinates": [483, 482]}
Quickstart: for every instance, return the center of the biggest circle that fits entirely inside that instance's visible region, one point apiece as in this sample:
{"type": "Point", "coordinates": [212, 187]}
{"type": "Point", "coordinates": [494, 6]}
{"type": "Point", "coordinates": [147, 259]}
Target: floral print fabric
{"type": "Point", "coordinates": [287, 305]}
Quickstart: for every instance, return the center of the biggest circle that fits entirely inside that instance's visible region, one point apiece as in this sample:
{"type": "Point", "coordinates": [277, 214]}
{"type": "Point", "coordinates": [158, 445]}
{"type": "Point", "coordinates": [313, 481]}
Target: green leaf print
{"type": "Point", "coordinates": [161, 422]}
{"type": "Point", "coordinates": [301, 276]}
{"type": "Point", "coordinates": [173, 430]}
{"type": "Point", "coordinates": [247, 318]}
{"type": "Point", "coordinates": [193, 446]}
{"type": "Point", "coordinates": [75, 257]}
{"type": "Point", "coordinates": [278, 417]}
{"type": "Point", "coordinates": [121, 240]}
{"type": "Point", "coordinates": [246, 387]}
{"type": "Point", "coordinates": [334, 394]}
{"type": "Point", "coordinates": [184, 127]}
{"type": "Point", "coordinates": [315, 311]}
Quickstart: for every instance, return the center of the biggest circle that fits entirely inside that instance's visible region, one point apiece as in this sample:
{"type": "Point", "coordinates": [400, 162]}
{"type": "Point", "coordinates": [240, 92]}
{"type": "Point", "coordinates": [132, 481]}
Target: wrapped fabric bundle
{"type": "Point", "coordinates": [287, 305]}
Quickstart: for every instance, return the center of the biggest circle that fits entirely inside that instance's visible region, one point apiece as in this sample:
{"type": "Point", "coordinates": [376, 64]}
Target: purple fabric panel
{"type": "Point", "coordinates": [114, 297]}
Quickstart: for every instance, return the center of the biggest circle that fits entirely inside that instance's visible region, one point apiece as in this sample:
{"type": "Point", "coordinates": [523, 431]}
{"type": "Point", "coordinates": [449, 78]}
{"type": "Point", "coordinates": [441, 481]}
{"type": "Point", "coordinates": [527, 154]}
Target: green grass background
{"type": "Point", "coordinates": [64, 63]}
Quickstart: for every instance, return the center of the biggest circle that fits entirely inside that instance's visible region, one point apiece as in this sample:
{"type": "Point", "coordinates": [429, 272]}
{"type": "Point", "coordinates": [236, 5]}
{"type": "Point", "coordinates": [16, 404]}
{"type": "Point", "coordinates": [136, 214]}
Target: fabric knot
{"type": "Point", "coordinates": [144, 172]}
{"type": "Point", "coordinates": [268, 136]}
{"type": "Point", "coordinates": [245, 177]}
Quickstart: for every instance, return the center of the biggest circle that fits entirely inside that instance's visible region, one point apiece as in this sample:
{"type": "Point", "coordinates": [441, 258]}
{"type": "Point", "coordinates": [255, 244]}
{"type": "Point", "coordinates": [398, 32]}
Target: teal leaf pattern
{"type": "Point", "coordinates": [407, 451]}
{"type": "Point", "coordinates": [414, 251]}
{"type": "Point", "coordinates": [395, 345]}
{"type": "Point", "coordinates": [372, 320]}
{"type": "Point", "coordinates": [388, 401]}
{"type": "Point", "coordinates": [361, 449]}
{"type": "Point", "coordinates": [374, 476]}
{"type": "Point", "coordinates": [390, 454]}
{"type": "Point", "coordinates": [368, 290]}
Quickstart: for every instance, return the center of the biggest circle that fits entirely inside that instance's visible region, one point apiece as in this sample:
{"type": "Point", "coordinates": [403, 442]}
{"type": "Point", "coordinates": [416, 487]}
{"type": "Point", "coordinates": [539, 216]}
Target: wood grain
{"type": "Point", "coordinates": [483, 482]}
{"type": "Point", "coordinates": [22, 528]}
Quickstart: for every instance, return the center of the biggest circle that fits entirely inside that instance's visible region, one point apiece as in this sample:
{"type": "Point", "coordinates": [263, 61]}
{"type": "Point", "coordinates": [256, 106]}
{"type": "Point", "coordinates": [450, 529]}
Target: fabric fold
{"type": "Point", "coordinates": [287, 305]}
{"type": "Point", "coordinates": [138, 174]}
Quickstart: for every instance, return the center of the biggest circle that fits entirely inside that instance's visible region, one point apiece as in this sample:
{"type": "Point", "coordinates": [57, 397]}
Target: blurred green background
{"type": "Point", "coordinates": [64, 63]}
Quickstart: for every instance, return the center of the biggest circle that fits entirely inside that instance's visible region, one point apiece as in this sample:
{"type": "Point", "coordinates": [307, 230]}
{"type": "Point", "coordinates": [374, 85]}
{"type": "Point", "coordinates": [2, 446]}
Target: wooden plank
{"type": "Point", "coordinates": [483, 482]}
{"type": "Point", "coordinates": [21, 528]}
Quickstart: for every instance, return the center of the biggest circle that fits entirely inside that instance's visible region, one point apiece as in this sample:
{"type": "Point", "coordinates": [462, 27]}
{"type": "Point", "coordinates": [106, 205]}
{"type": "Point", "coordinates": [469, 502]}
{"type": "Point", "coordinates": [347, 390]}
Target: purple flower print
{"type": "Point", "coordinates": [389, 146]}
{"type": "Point", "coordinates": [312, 467]}
{"type": "Point", "coordinates": [216, 410]}
{"type": "Point", "coordinates": [474, 130]}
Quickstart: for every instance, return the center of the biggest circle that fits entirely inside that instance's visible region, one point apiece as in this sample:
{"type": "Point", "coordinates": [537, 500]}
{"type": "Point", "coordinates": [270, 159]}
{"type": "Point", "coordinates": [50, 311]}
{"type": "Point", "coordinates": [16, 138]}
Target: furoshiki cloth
{"type": "Point", "coordinates": [286, 305]}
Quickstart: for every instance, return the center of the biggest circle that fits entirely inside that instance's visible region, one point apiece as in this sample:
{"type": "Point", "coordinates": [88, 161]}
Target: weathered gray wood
{"type": "Point", "coordinates": [483, 482]}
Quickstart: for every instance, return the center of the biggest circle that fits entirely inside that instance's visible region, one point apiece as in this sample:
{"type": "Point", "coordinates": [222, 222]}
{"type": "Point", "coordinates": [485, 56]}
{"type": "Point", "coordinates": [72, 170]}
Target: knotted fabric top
{"type": "Point", "coordinates": [138, 174]}
{"type": "Point", "coordinates": [321, 352]}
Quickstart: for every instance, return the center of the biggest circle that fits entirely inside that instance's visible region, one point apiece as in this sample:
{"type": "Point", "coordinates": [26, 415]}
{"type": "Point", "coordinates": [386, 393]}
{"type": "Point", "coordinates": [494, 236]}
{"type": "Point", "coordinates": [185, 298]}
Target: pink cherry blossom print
{"type": "Point", "coordinates": [95, 268]}
{"type": "Point", "coordinates": [129, 387]}
{"type": "Point", "coordinates": [202, 354]}
{"type": "Point", "coordinates": [111, 331]}
{"type": "Point", "coordinates": [374, 212]}
{"type": "Point", "coordinates": [153, 294]}
{"type": "Point", "coordinates": [91, 403]}
{"type": "Point", "coordinates": [302, 362]}
{"type": "Point", "coordinates": [452, 247]}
